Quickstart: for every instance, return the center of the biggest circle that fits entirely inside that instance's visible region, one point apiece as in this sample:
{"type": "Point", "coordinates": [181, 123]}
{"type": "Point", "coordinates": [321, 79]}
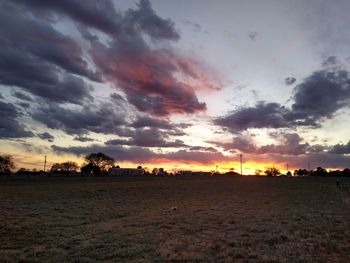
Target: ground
{"type": "Point", "coordinates": [246, 219]}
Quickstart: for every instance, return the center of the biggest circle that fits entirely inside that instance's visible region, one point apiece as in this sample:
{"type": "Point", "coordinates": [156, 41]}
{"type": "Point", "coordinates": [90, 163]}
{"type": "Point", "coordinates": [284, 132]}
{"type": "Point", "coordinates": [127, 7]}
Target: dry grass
{"type": "Point", "coordinates": [130, 220]}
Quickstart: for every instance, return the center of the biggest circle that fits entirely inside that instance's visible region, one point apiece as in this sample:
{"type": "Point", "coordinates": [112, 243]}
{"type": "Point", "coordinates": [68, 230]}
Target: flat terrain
{"type": "Point", "coordinates": [245, 219]}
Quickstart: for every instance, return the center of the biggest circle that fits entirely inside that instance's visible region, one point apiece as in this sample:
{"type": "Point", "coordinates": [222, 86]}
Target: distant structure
{"type": "Point", "coordinates": [191, 173]}
{"type": "Point", "coordinates": [116, 171]}
{"type": "Point", "coordinates": [45, 164]}
{"type": "Point", "coordinates": [241, 161]}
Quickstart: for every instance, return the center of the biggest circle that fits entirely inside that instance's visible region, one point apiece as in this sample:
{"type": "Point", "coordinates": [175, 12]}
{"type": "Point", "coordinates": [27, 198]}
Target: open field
{"type": "Point", "coordinates": [245, 219]}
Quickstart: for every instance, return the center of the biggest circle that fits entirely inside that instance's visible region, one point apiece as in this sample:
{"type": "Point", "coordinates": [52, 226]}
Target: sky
{"type": "Point", "coordinates": [183, 85]}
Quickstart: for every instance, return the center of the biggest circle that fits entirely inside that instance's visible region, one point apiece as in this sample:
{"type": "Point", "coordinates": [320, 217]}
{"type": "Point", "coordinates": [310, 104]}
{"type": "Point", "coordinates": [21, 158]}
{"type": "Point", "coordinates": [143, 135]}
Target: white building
{"type": "Point", "coordinates": [126, 172]}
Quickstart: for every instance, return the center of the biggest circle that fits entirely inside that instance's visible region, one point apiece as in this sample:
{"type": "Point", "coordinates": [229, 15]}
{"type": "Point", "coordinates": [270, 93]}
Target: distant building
{"type": "Point", "coordinates": [116, 171]}
{"type": "Point", "coordinates": [190, 173]}
{"type": "Point", "coordinates": [232, 173]}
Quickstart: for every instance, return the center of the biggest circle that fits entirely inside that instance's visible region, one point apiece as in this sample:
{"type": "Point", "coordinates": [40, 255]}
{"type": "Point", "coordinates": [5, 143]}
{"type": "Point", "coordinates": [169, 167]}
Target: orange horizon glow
{"type": "Point", "coordinates": [248, 168]}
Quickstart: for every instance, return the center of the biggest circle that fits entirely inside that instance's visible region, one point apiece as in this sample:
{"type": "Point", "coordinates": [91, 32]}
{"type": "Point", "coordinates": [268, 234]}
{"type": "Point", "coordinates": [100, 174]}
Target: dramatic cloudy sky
{"type": "Point", "coordinates": [176, 84]}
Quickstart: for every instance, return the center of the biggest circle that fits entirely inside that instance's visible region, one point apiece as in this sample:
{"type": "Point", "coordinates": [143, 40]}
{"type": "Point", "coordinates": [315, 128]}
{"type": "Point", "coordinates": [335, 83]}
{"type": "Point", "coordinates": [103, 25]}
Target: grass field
{"type": "Point", "coordinates": [245, 219]}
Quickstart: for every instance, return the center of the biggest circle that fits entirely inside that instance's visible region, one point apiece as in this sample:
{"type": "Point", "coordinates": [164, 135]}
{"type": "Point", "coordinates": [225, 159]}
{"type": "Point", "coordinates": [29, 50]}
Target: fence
{"type": "Point", "coordinates": [344, 186]}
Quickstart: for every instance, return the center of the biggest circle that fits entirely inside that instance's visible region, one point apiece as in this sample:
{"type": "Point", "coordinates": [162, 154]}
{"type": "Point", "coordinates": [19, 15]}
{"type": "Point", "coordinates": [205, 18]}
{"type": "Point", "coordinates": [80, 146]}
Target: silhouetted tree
{"type": "Point", "coordinates": [56, 167]}
{"type": "Point", "coordinates": [69, 166]}
{"type": "Point", "coordinates": [87, 170]}
{"type": "Point", "coordinates": [258, 172]}
{"type": "Point", "coordinates": [272, 172]}
{"type": "Point", "coordinates": [289, 173]}
{"type": "Point", "coordinates": [301, 172]}
{"type": "Point", "coordinates": [91, 169]}
{"type": "Point", "coordinates": [66, 167]}
{"type": "Point", "coordinates": [320, 171]}
{"type": "Point", "coordinates": [155, 171]}
{"type": "Point", "coordinates": [139, 167]}
{"type": "Point", "coordinates": [6, 164]}
{"type": "Point", "coordinates": [346, 172]}
{"type": "Point", "coordinates": [103, 161]}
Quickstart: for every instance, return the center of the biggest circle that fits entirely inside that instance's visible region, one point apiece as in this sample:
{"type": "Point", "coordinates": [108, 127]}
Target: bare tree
{"type": "Point", "coordinates": [69, 166]}
{"type": "Point", "coordinates": [6, 164]}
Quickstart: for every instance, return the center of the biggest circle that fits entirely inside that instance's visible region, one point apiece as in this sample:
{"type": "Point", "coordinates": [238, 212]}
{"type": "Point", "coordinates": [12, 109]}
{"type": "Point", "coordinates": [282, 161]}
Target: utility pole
{"type": "Point", "coordinates": [309, 167]}
{"type": "Point", "coordinates": [45, 164]}
{"type": "Point", "coordinates": [287, 167]}
{"type": "Point", "coordinates": [217, 168]}
{"type": "Point", "coordinates": [241, 161]}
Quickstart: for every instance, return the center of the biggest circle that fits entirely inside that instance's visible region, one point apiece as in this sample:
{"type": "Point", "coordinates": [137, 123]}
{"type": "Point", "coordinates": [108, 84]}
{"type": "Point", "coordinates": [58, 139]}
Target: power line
{"type": "Point", "coordinates": [45, 165]}
{"type": "Point", "coordinates": [241, 161]}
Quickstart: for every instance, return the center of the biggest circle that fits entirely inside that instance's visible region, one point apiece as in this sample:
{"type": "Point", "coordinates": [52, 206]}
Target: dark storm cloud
{"type": "Point", "coordinates": [147, 74]}
{"type": "Point", "coordinates": [22, 32]}
{"type": "Point", "coordinates": [145, 121]}
{"type": "Point", "coordinates": [148, 138]}
{"type": "Point", "coordinates": [286, 144]}
{"type": "Point", "coordinates": [201, 157]}
{"type": "Point", "coordinates": [31, 54]}
{"type": "Point", "coordinates": [320, 96]}
{"type": "Point", "coordinates": [340, 148]}
{"type": "Point", "coordinates": [10, 124]}
{"type": "Point", "coordinates": [86, 34]}
{"type": "Point", "coordinates": [140, 154]}
{"type": "Point", "coordinates": [100, 14]}
{"type": "Point", "coordinates": [202, 149]}
{"type": "Point", "coordinates": [83, 139]}
{"type": "Point", "coordinates": [46, 136]}
{"type": "Point", "coordinates": [324, 159]}
{"type": "Point", "coordinates": [243, 144]}
{"type": "Point", "coordinates": [119, 153]}
{"type": "Point", "coordinates": [262, 115]}
{"type": "Point", "coordinates": [104, 118]}
{"type": "Point", "coordinates": [24, 105]}
{"type": "Point", "coordinates": [150, 23]}
{"type": "Point", "coordinates": [138, 59]}
{"type": "Point", "coordinates": [289, 80]}
{"type": "Point", "coordinates": [317, 98]}
{"type": "Point", "coordinates": [290, 144]}
{"type": "Point", "coordinates": [21, 96]}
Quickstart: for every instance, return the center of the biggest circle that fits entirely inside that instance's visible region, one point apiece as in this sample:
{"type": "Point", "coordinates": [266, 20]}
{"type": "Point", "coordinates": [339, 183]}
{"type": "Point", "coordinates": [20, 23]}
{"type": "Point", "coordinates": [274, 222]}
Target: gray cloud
{"type": "Point", "coordinates": [10, 124]}
{"type": "Point", "coordinates": [119, 153]}
{"type": "Point", "coordinates": [340, 148]}
{"type": "Point", "coordinates": [22, 96]}
{"type": "Point", "coordinates": [286, 144]}
{"type": "Point", "coordinates": [141, 154]}
{"type": "Point", "coordinates": [145, 121]}
{"type": "Point", "coordinates": [101, 118]}
{"type": "Point", "coordinates": [262, 115]}
{"type": "Point", "coordinates": [317, 98]}
{"type": "Point", "coordinates": [22, 32]}
{"type": "Point", "coordinates": [100, 15]}
{"type": "Point", "coordinates": [83, 139]}
{"type": "Point", "coordinates": [151, 137]}
{"type": "Point", "coordinates": [22, 69]}
{"type": "Point", "coordinates": [46, 136]}
{"type": "Point", "coordinates": [289, 80]}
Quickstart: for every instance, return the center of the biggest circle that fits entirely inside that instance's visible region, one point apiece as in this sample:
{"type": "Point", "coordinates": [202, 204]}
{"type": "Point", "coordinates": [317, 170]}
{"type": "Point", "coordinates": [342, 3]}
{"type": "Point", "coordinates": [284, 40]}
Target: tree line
{"type": "Point", "coordinates": [98, 164]}
{"type": "Point", "coordinates": [319, 171]}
